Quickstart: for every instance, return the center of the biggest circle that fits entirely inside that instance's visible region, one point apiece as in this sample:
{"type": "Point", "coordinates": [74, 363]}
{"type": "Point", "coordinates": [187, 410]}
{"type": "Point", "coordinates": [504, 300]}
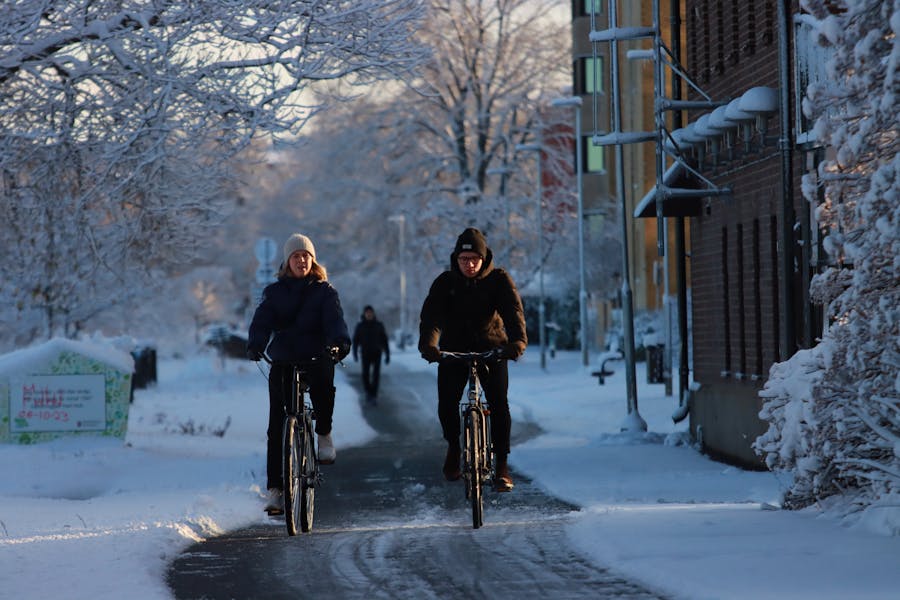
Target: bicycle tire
{"type": "Point", "coordinates": [291, 473]}
{"type": "Point", "coordinates": [474, 459]}
{"type": "Point", "coordinates": [309, 475]}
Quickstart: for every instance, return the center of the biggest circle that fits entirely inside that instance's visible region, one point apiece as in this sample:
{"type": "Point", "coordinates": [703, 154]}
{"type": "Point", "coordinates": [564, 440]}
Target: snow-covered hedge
{"type": "Point", "coordinates": [834, 410]}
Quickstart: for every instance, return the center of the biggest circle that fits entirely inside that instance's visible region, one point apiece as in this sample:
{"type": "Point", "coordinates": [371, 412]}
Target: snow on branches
{"type": "Point", "coordinates": [834, 411]}
{"type": "Point", "coordinates": [120, 119]}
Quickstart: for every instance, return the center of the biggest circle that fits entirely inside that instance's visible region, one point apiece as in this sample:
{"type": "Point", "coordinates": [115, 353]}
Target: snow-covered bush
{"type": "Point", "coordinates": [834, 411]}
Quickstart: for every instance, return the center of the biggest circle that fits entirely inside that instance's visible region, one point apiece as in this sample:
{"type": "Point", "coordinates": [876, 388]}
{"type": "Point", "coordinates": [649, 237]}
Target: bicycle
{"type": "Point", "coordinates": [300, 465]}
{"type": "Point", "coordinates": [477, 449]}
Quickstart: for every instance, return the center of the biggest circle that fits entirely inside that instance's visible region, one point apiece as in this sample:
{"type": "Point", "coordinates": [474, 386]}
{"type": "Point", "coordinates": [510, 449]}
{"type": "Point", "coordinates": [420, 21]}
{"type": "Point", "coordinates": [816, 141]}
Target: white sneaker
{"type": "Point", "coordinates": [275, 505]}
{"type": "Point", "coordinates": [326, 450]}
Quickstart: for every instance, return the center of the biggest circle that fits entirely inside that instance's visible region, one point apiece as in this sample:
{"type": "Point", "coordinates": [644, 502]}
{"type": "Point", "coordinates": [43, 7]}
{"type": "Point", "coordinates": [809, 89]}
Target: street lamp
{"type": "Point", "coordinates": [504, 172]}
{"type": "Point", "coordinates": [575, 102]}
{"type": "Point", "coordinates": [633, 421]}
{"type": "Point", "coordinates": [540, 210]}
{"type": "Point", "coordinates": [401, 221]}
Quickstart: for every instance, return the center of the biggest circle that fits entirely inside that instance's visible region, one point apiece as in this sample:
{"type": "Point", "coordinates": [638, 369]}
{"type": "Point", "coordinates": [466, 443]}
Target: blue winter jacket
{"type": "Point", "coordinates": [297, 320]}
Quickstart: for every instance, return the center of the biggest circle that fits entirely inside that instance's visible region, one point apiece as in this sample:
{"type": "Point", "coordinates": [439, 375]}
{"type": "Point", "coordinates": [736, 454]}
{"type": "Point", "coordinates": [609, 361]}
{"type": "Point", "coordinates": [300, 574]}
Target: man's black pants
{"type": "Point", "coordinates": [453, 377]}
{"type": "Point", "coordinates": [371, 373]}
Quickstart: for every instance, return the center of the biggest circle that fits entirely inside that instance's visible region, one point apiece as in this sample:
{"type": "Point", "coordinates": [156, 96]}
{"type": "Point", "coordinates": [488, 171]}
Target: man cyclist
{"type": "Point", "coordinates": [473, 307]}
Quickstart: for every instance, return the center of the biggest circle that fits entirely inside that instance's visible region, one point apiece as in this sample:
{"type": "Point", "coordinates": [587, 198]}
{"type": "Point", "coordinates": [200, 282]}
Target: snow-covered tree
{"type": "Point", "coordinates": [834, 410]}
{"type": "Point", "coordinates": [495, 65]}
{"type": "Point", "coordinates": [440, 151]}
{"type": "Point", "coordinates": [119, 120]}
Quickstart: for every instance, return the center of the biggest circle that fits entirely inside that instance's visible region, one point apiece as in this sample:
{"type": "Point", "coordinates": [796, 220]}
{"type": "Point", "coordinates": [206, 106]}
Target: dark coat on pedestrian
{"type": "Point", "coordinates": [298, 319]}
{"type": "Point", "coordinates": [473, 315]}
{"type": "Point", "coordinates": [371, 339]}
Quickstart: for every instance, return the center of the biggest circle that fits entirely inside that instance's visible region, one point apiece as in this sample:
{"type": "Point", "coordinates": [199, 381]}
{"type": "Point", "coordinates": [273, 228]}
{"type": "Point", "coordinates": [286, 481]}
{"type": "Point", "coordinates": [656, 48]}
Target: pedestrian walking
{"type": "Point", "coordinates": [370, 341]}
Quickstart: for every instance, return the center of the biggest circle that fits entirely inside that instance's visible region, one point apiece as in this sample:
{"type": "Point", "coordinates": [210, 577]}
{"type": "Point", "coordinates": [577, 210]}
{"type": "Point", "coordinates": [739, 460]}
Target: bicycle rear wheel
{"type": "Point", "coordinates": [474, 453]}
{"type": "Point", "coordinates": [308, 479]}
{"type": "Point", "coordinates": [291, 466]}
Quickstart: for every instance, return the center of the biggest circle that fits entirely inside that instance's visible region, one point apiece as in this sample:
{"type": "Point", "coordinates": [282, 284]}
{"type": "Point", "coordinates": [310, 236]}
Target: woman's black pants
{"type": "Point", "coordinates": [321, 393]}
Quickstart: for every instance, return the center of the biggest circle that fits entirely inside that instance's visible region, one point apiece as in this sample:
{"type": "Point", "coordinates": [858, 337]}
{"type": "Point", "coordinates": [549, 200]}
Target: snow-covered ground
{"type": "Point", "coordinates": [98, 518]}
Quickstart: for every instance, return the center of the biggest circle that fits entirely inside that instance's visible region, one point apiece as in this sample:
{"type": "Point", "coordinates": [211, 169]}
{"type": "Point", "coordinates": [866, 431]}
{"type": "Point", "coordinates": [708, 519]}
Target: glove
{"type": "Point", "coordinates": [254, 354]}
{"type": "Point", "coordinates": [511, 351]}
{"type": "Point", "coordinates": [431, 354]}
{"type": "Point", "coordinates": [337, 352]}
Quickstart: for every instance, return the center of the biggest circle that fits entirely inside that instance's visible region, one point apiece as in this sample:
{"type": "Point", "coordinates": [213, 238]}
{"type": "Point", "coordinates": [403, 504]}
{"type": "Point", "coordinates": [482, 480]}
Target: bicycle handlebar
{"type": "Point", "coordinates": [494, 354]}
{"type": "Point", "coordinates": [301, 363]}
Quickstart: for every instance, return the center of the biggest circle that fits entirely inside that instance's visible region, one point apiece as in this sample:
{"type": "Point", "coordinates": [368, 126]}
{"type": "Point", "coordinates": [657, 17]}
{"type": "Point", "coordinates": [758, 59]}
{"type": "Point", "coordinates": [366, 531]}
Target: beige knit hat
{"type": "Point", "coordinates": [298, 242]}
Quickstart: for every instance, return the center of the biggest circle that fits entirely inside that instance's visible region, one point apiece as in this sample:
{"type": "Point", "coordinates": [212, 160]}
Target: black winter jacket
{"type": "Point", "coordinates": [473, 315]}
{"type": "Point", "coordinates": [297, 320]}
{"type": "Point", "coordinates": [370, 338]}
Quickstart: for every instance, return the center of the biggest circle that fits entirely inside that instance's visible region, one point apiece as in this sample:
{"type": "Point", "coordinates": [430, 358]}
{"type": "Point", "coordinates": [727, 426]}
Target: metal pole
{"type": "Point", "coordinates": [402, 280]}
{"type": "Point", "coordinates": [576, 102]}
{"type": "Point", "coordinates": [789, 339]}
{"type": "Point", "coordinates": [582, 288]}
{"type": "Point", "coordinates": [401, 221]}
{"type": "Point", "coordinates": [633, 422]}
{"type": "Point", "coordinates": [680, 242]}
{"type": "Point", "coordinates": [541, 308]}
{"type": "Point", "coordinates": [540, 210]}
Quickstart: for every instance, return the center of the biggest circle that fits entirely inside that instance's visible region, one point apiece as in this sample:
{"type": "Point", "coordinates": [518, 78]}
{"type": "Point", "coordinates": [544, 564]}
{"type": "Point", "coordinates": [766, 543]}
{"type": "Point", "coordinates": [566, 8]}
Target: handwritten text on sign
{"type": "Point", "coordinates": [58, 403]}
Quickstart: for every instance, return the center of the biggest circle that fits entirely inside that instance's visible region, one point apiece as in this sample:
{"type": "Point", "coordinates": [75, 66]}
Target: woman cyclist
{"type": "Point", "coordinates": [299, 318]}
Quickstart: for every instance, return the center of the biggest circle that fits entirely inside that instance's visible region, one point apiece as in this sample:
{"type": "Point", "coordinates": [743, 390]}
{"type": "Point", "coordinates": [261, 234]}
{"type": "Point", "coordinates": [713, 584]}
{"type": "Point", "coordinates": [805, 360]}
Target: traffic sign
{"type": "Point", "coordinates": [265, 274]}
{"type": "Point", "coordinates": [265, 250]}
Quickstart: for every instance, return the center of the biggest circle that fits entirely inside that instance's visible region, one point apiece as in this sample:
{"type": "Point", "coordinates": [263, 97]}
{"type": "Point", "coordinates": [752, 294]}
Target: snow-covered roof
{"type": "Point", "coordinates": [27, 358]}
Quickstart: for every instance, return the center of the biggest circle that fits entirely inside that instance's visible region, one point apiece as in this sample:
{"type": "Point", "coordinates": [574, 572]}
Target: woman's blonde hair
{"type": "Point", "coordinates": [317, 271]}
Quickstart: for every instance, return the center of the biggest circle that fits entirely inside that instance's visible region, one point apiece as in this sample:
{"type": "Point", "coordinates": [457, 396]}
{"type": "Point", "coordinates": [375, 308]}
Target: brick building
{"type": "Point", "coordinates": [751, 252]}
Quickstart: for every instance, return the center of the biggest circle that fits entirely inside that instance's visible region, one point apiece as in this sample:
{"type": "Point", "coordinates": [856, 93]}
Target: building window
{"type": "Point", "coordinates": [750, 46]}
{"type": "Point", "coordinates": [768, 35]}
{"type": "Point", "coordinates": [706, 67]}
{"type": "Point", "coordinates": [810, 60]}
{"type": "Point", "coordinates": [735, 54]}
{"type": "Point", "coordinates": [594, 156]}
{"type": "Point", "coordinates": [726, 305]}
{"type": "Point", "coordinates": [692, 40]}
{"type": "Point", "coordinates": [590, 76]}
{"type": "Point", "coordinates": [757, 301]}
{"type": "Point", "coordinates": [776, 310]}
{"type": "Point", "coordinates": [742, 312]}
{"type": "Point", "coordinates": [583, 7]}
{"type": "Point", "coordinates": [719, 67]}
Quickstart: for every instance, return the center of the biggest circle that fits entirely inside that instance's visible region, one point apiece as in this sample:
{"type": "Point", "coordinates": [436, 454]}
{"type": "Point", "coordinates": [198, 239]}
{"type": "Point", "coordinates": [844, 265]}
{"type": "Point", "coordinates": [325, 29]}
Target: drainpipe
{"type": "Point", "coordinates": [785, 142]}
{"type": "Point", "coordinates": [681, 412]}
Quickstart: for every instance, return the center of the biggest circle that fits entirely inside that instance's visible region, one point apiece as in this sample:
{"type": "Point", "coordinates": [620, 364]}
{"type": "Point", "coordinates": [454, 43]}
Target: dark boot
{"type": "Point", "coordinates": [451, 463]}
{"type": "Point", "coordinates": [502, 480]}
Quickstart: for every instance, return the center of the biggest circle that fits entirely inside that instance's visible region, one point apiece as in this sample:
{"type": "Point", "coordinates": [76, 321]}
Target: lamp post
{"type": "Point", "coordinates": [575, 102]}
{"type": "Point", "coordinates": [540, 210]}
{"type": "Point", "coordinates": [401, 221]}
{"type": "Point", "coordinates": [504, 172]}
{"type": "Point", "coordinates": [633, 421]}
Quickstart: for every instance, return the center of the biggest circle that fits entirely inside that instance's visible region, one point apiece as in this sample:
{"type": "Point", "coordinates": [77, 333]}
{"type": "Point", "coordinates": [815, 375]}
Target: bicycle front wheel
{"type": "Point", "coordinates": [291, 466]}
{"type": "Point", "coordinates": [309, 475]}
{"type": "Point", "coordinates": [474, 456]}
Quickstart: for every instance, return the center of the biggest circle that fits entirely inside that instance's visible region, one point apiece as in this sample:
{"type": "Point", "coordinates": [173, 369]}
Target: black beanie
{"type": "Point", "coordinates": [471, 240]}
